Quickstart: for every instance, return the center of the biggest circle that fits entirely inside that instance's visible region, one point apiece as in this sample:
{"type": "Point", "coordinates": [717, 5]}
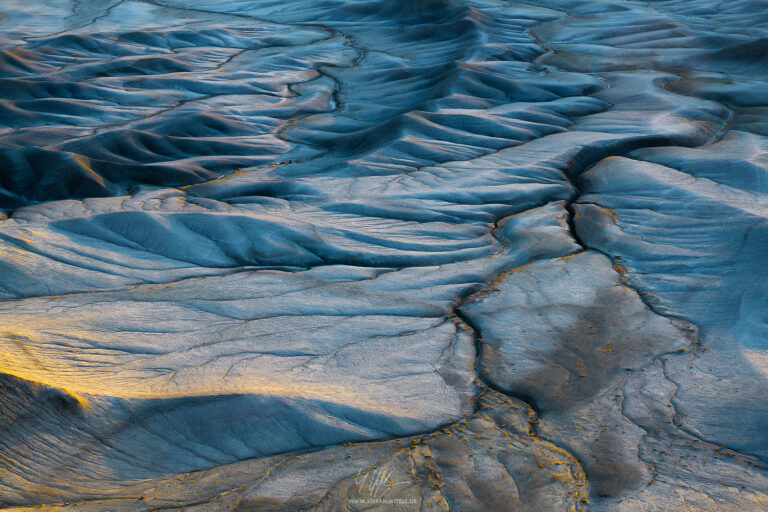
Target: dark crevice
{"type": "Point", "coordinates": [482, 377]}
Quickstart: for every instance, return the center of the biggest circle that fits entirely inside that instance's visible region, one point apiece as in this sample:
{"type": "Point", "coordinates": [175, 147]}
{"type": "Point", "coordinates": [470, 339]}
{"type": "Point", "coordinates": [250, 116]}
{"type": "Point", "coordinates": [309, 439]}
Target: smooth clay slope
{"type": "Point", "coordinates": [373, 255]}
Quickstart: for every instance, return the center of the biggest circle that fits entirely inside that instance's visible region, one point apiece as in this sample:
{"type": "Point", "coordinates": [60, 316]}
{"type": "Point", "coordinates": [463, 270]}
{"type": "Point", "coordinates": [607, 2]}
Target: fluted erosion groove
{"type": "Point", "coordinates": [431, 255]}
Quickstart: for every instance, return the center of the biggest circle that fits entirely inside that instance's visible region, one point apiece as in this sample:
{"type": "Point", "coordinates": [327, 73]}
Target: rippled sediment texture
{"type": "Point", "coordinates": [499, 256]}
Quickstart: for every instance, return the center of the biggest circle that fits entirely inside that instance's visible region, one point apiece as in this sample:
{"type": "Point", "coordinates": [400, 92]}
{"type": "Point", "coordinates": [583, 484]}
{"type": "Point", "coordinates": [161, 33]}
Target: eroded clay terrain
{"type": "Point", "coordinates": [432, 255]}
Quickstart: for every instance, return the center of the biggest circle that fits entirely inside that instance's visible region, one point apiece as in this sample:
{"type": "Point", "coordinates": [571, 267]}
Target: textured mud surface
{"type": "Point", "coordinates": [373, 255]}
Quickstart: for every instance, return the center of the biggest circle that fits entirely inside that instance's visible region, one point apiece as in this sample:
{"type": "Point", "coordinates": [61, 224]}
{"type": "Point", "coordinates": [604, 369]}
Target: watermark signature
{"type": "Point", "coordinates": [376, 483]}
{"type": "Point", "coordinates": [383, 501]}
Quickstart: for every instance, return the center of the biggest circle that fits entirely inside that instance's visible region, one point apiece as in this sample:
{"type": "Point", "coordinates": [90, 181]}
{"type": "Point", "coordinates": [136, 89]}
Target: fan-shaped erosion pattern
{"type": "Point", "coordinates": [369, 255]}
